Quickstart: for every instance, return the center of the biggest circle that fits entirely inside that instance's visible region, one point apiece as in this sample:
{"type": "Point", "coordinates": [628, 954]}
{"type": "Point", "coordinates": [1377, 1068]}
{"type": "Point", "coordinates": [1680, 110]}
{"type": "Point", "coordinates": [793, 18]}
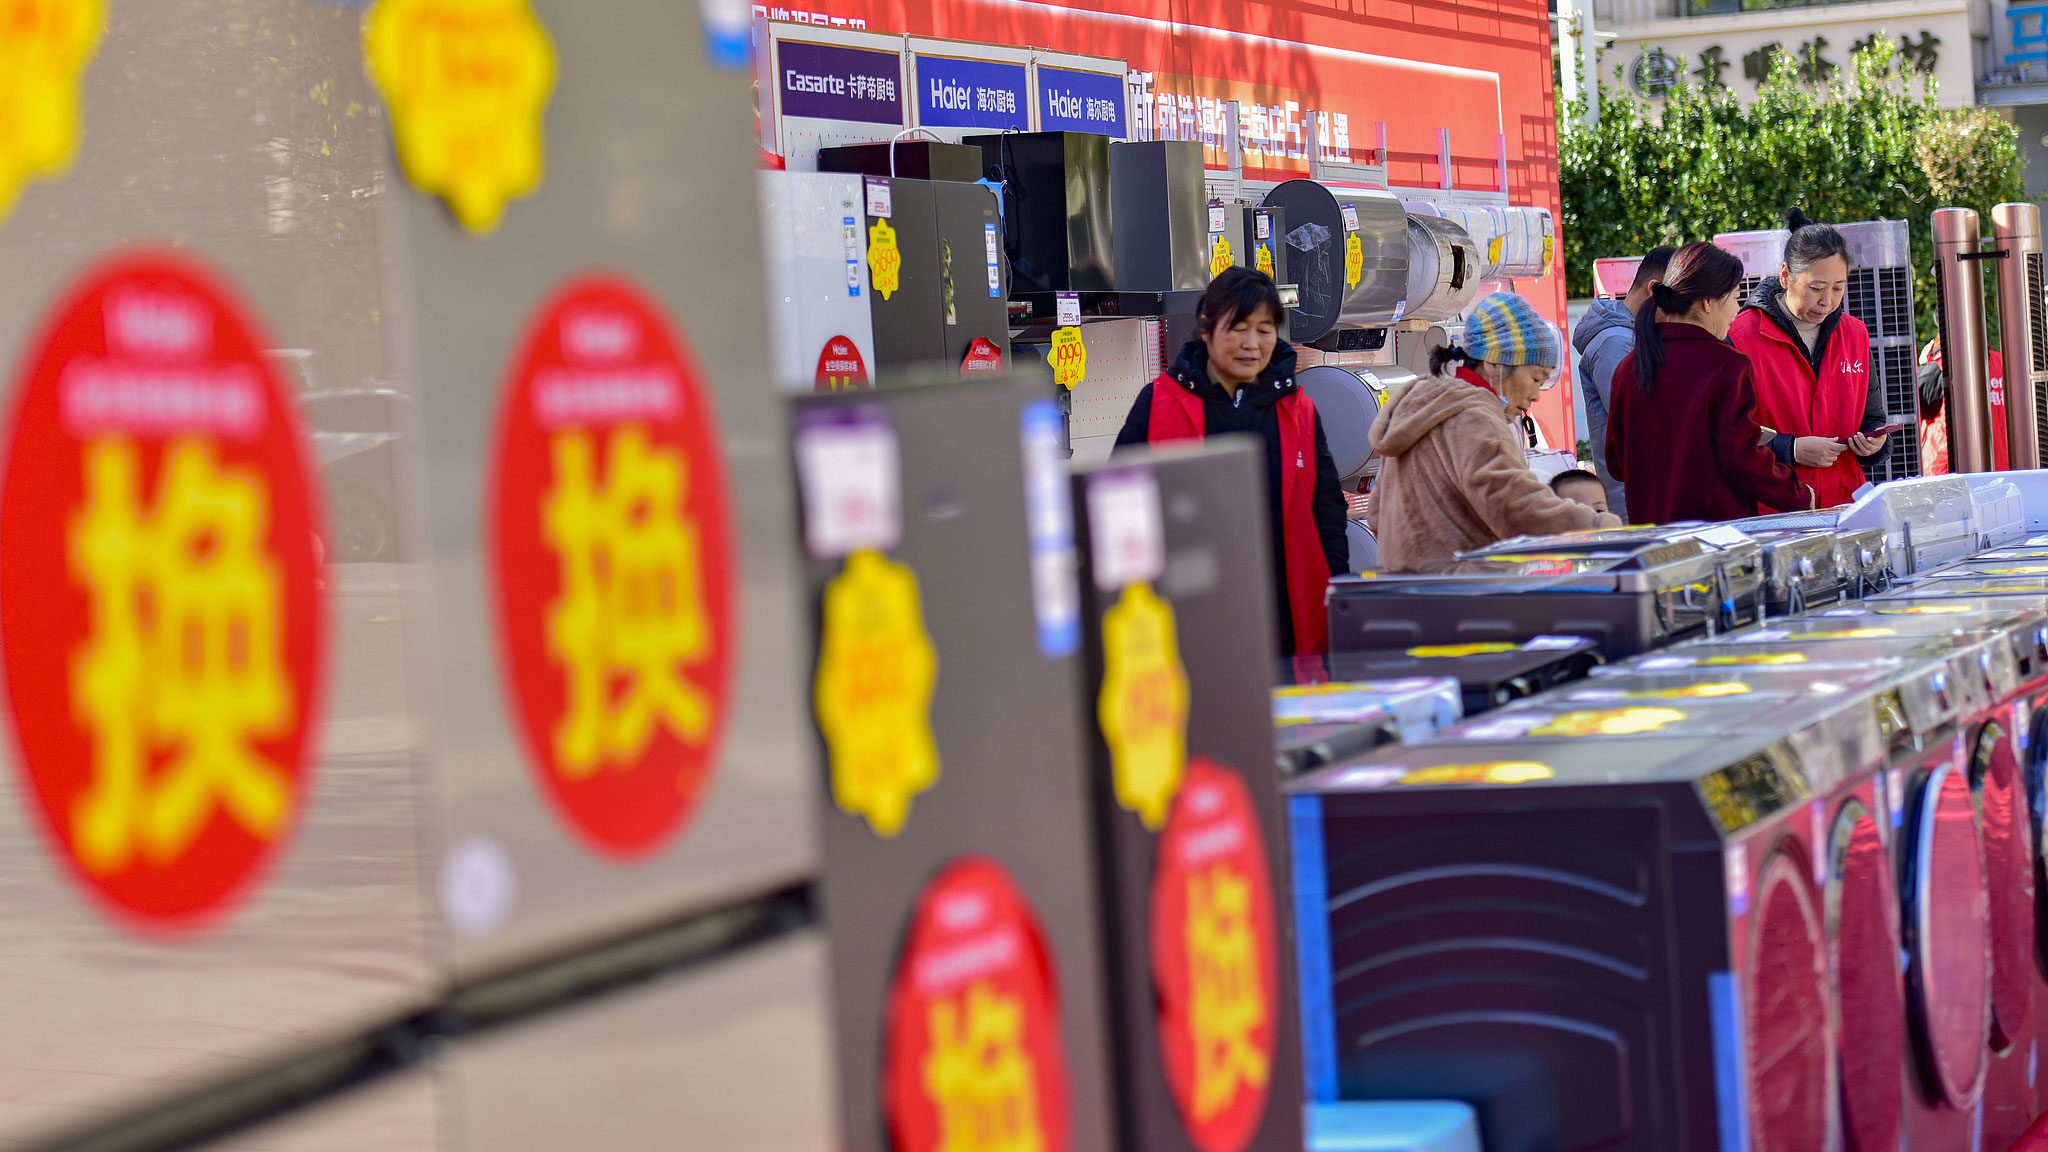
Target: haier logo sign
{"type": "Point", "coordinates": [957, 93]}
{"type": "Point", "coordinates": [1080, 102]}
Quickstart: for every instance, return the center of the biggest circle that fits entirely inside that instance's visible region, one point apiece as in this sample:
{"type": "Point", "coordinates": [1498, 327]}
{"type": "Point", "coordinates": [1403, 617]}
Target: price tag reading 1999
{"type": "Point", "coordinates": [1069, 358]}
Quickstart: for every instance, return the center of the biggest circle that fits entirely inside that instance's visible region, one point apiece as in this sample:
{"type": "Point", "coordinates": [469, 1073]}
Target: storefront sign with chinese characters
{"type": "Point", "coordinates": [1820, 52]}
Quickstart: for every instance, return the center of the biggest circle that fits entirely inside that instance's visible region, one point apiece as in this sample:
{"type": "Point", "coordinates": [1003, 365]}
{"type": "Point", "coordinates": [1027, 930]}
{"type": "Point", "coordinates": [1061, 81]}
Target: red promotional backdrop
{"type": "Point", "coordinates": [1476, 70]}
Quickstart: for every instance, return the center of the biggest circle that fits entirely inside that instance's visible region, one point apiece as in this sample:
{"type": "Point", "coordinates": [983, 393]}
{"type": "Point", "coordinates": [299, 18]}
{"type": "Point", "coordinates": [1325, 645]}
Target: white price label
{"type": "Point", "coordinates": [989, 249]}
{"type": "Point", "coordinates": [1264, 223]}
{"type": "Point", "coordinates": [1351, 217]}
{"type": "Point", "coordinates": [852, 486]}
{"type": "Point", "coordinates": [1125, 529]}
{"type": "Point", "coordinates": [1735, 864]}
{"type": "Point", "coordinates": [1215, 219]}
{"type": "Point", "coordinates": [879, 203]}
{"type": "Point", "coordinates": [1068, 308]}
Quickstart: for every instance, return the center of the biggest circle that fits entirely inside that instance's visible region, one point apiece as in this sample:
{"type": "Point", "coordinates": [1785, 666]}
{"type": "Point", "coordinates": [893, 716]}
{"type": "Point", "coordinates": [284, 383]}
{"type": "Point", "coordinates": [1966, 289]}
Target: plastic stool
{"type": "Point", "coordinates": [1393, 1126]}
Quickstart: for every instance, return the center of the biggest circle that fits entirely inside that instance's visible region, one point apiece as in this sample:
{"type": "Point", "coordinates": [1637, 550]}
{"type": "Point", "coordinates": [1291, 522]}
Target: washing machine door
{"type": "Point", "coordinates": [1790, 1072]}
{"type": "Point", "coordinates": [2009, 882]}
{"type": "Point", "coordinates": [1870, 1000]}
{"type": "Point", "coordinates": [1347, 401]}
{"type": "Point", "coordinates": [2034, 778]}
{"type": "Point", "coordinates": [1365, 551]}
{"type": "Point", "coordinates": [1948, 938]}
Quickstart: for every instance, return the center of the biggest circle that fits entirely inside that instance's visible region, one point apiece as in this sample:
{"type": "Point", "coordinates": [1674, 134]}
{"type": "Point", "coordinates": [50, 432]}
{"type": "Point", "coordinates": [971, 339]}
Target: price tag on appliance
{"type": "Point", "coordinates": [1220, 256]}
{"type": "Point", "coordinates": [1354, 261]}
{"type": "Point", "coordinates": [1068, 308]}
{"type": "Point", "coordinates": [1215, 218]}
{"type": "Point", "coordinates": [1350, 217]}
{"type": "Point", "coordinates": [885, 260]}
{"type": "Point", "coordinates": [879, 203]}
{"type": "Point", "coordinates": [849, 471]}
{"type": "Point", "coordinates": [850, 238]}
{"type": "Point", "coordinates": [990, 246]}
{"type": "Point", "coordinates": [1069, 358]}
{"type": "Point", "coordinates": [1264, 222]}
{"type": "Point", "coordinates": [1125, 528]}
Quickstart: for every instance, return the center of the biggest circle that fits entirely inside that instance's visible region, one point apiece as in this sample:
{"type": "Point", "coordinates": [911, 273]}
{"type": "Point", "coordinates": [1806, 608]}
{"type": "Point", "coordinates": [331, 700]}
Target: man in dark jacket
{"type": "Point", "coordinates": [1254, 407]}
{"type": "Point", "coordinates": [1604, 336]}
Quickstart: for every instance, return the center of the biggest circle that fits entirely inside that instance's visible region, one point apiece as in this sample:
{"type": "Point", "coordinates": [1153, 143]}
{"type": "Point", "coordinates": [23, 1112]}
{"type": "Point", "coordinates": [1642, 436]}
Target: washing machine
{"type": "Point", "coordinates": [1998, 669]}
{"type": "Point", "coordinates": [1608, 942]}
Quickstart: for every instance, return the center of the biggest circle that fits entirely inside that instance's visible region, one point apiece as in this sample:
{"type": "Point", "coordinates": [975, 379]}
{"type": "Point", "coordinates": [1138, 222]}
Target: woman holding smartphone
{"type": "Point", "coordinates": [1682, 436]}
{"type": "Point", "coordinates": [1815, 389]}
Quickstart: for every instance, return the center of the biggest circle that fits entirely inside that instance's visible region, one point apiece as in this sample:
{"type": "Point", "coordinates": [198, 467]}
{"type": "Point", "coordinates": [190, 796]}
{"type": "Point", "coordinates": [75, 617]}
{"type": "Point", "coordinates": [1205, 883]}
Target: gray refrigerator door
{"type": "Point", "coordinates": [225, 134]}
{"type": "Point", "coordinates": [990, 849]}
{"type": "Point", "coordinates": [637, 262]}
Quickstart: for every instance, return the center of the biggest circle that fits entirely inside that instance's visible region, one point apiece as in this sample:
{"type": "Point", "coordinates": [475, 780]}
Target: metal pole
{"type": "Point", "coordinates": [1958, 250]}
{"type": "Point", "coordinates": [2023, 330]}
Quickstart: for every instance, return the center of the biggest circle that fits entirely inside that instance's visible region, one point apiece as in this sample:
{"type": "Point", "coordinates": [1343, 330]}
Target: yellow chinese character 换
{"type": "Point", "coordinates": [978, 1075]}
{"type": "Point", "coordinates": [466, 81]}
{"type": "Point", "coordinates": [183, 655]}
{"type": "Point", "coordinates": [1143, 708]}
{"type": "Point", "coordinates": [876, 671]}
{"type": "Point", "coordinates": [1227, 1002]}
{"type": "Point", "coordinates": [44, 48]}
{"type": "Point", "coordinates": [631, 612]}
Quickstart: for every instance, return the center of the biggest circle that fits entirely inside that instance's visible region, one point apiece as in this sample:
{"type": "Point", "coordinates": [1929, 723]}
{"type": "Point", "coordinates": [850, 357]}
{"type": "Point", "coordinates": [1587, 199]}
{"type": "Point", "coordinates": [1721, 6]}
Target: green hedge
{"type": "Point", "coordinates": [1873, 148]}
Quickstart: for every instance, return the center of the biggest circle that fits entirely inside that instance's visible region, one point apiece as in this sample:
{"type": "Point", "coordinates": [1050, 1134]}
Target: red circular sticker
{"type": "Point", "coordinates": [160, 597]}
{"type": "Point", "coordinates": [840, 367]}
{"type": "Point", "coordinates": [1214, 958]}
{"type": "Point", "coordinates": [982, 356]}
{"type": "Point", "coordinates": [972, 1057]}
{"type": "Point", "coordinates": [612, 555]}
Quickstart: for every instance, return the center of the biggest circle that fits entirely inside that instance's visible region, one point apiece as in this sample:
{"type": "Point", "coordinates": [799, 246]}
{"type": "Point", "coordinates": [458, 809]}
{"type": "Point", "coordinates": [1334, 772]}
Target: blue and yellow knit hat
{"type": "Point", "coordinates": [1506, 329]}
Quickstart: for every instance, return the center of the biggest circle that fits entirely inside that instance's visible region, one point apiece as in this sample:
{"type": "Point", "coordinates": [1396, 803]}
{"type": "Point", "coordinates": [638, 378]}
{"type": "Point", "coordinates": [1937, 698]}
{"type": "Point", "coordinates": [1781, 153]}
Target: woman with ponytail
{"type": "Point", "coordinates": [1813, 380]}
{"type": "Point", "coordinates": [1682, 435]}
{"type": "Point", "coordinates": [1454, 474]}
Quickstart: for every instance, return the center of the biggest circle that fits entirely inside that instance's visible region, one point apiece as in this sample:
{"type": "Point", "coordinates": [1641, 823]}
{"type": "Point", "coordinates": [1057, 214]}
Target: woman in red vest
{"type": "Point", "coordinates": [1815, 390]}
{"type": "Point", "coordinates": [1237, 376]}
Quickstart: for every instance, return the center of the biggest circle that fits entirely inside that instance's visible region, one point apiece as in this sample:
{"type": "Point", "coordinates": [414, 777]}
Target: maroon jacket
{"type": "Point", "coordinates": [1691, 450]}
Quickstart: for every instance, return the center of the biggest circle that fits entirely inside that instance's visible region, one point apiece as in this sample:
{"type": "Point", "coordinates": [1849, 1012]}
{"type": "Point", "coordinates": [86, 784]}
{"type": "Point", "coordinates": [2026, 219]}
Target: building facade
{"type": "Point", "coordinates": [1735, 43]}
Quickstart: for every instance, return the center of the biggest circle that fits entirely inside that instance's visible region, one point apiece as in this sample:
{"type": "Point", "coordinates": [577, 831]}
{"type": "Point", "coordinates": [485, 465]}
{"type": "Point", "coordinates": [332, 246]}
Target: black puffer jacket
{"type": "Point", "coordinates": [1252, 412]}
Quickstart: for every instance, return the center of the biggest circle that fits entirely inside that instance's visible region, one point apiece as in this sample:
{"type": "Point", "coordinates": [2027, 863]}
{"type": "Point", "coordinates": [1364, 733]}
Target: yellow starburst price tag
{"type": "Point", "coordinates": [1354, 260]}
{"type": "Point", "coordinates": [1440, 651]}
{"type": "Point", "coordinates": [467, 82]}
{"type": "Point", "coordinates": [876, 670]}
{"type": "Point", "coordinates": [44, 48]}
{"type": "Point", "coordinates": [1610, 722]}
{"type": "Point", "coordinates": [1143, 708]}
{"type": "Point", "coordinates": [1265, 259]}
{"type": "Point", "coordinates": [1069, 358]}
{"type": "Point", "coordinates": [885, 260]}
{"type": "Point", "coordinates": [1220, 256]}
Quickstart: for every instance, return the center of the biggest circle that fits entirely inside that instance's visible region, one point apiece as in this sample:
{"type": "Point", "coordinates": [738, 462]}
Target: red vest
{"type": "Point", "coordinates": [1790, 399]}
{"type": "Point", "coordinates": [1177, 415]}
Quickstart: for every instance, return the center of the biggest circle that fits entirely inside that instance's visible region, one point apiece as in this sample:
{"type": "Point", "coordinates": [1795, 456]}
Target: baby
{"type": "Point", "coordinates": [1581, 486]}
